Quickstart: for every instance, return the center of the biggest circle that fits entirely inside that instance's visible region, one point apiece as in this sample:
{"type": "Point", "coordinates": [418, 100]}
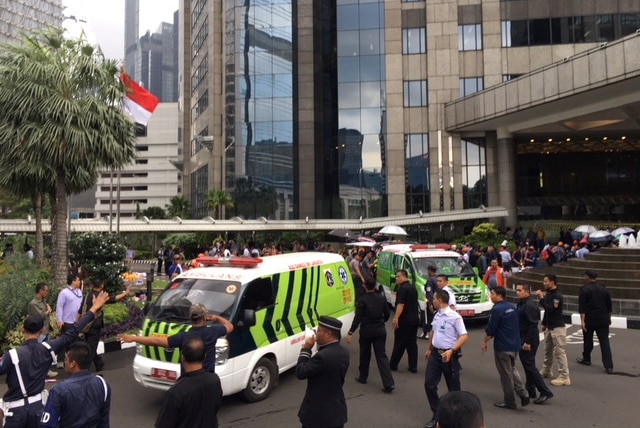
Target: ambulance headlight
{"type": "Point", "coordinates": [222, 351]}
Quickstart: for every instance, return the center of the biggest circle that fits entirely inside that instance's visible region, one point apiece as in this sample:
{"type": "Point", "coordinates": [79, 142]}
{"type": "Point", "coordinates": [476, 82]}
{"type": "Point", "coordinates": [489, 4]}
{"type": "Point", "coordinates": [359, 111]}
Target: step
{"type": "Point", "coordinates": [621, 251]}
{"type": "Point", "coordinates": [598, 263]}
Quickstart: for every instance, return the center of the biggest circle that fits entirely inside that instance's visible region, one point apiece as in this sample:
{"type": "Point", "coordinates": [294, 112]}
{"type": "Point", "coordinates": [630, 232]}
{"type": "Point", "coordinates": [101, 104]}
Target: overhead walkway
{"type": "Point", "coordinates": [237, 224]}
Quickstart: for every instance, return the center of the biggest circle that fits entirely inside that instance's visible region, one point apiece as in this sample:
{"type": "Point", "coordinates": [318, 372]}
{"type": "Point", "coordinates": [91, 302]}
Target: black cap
{"type": "Point", "coordinates": [33, 324]}
{"type": "Point", "coordinates": [591, 274]}
{"type": "Point", "coordinates": [330, 323]}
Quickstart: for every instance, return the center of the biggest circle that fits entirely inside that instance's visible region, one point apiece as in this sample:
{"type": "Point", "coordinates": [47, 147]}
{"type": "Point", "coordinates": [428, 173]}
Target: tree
{"type": "Point", "coordinates": [61, 124]}
{"type": "Point", "coordinates": [216, 200]}
{"type": "Point", "coordinates": [178, 206]}
{"type": "Point", "coordinates": [154, 212]}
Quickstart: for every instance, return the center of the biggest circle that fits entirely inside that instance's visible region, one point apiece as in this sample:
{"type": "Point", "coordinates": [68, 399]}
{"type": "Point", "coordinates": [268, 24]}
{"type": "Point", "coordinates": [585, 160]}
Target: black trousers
{"type": "Point", "coordinates": [93, 338]}
{"type": "Point", "coordinates": [605, 347]}
{"type": "Point", "coordinates": [378, 343]}
{"type": "Point", "coordinates": [436, 368]}
{"type": "Point", "coordinates": [160, 260]}
{"type": "Point", "coordinates": [405, 338]}
{"type": "Point", "coordinates": [425, 322]}
{"type": "Point", "coordinates": [534, 379]}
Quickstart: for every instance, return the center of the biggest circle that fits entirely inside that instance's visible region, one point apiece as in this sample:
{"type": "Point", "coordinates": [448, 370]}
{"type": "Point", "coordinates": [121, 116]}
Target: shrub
{"type": "Point", "coordinates": [182, 240]}
{"type": "Point", "coordinates": [115, 314]}
{"type": "Point", "coordinates": [132, 322]}
{"type": "Point", "coordinates": [101, 257]}
{"type": "Point", "coordinates": [17, 287]}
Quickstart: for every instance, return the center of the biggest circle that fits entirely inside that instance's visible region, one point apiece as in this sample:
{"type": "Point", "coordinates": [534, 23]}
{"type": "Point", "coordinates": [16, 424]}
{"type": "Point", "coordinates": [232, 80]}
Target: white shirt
{"type": "Point", "coordinates": [452, 296]}
{"type": "Point", "coordinates": [448, 326]}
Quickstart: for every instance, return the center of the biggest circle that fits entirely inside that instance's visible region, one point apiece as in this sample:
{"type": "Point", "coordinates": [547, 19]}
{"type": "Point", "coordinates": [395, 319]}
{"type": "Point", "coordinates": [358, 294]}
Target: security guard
{"type": "Point", "coordinates": [27, 366]}
{"type": "Point", "coordinates": [448, 336]}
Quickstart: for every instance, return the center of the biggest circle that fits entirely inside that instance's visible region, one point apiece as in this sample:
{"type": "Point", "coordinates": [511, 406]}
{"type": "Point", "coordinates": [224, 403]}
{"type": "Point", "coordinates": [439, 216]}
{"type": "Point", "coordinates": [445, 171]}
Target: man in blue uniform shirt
{"type": "Point", "coordinates": [504, 327]}
{"type": "Point", "coordinates": [83, 400]}
{"type": "Point", "coordinates": [448, 335]}
{"type": "Point", "coordinates": [30, 362]}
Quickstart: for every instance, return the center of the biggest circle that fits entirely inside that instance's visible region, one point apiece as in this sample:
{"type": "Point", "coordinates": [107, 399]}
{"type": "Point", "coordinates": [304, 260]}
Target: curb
{"type": "Point", "coordinates": [113, 345]}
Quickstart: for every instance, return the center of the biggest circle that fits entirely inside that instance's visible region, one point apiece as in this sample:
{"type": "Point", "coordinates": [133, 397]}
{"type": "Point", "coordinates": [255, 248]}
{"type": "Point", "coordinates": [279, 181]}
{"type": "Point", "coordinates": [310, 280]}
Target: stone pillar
{"type": "Point", "coordinates": [506, 173]}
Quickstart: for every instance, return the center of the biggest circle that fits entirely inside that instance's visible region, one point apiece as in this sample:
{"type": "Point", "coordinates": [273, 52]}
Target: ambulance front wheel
{"type": "Point", "coordinates": [261, 381]}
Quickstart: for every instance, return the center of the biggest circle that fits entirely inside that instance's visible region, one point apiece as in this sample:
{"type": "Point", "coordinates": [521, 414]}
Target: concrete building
{"type": "Point", "coordinates": [151, 180]}
{"type": "Point", "coordinates": [150, 58]}
{"type": "Point", "coordinates": [18, 16]}
{"type": "Point", "coordinates": [426, 106]}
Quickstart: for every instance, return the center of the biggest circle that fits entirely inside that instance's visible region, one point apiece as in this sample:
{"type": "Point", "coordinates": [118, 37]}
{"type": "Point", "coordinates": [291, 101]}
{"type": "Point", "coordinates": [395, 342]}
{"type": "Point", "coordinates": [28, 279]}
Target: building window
{"type": "Point", "coordinates": [416, 149]}
{"type": "Point", "coordinates": [414, 41]}
{"type": "Point", "coordinates": [469, 85]}
{"type": "Point", "coordinates": [474, 173]}
{"type": "Point", "coordinates": [199, 189]}
{"type": "Point", "coordinates": [415, 93]}
{"type": "Point", "coordinates": [507, 77]}
{"type": "Point", "coordinates": [470, 37]}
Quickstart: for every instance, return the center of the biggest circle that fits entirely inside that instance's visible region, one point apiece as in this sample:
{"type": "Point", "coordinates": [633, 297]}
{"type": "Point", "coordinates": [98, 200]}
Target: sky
{"type": "Point", "coordinates": [105, 20]}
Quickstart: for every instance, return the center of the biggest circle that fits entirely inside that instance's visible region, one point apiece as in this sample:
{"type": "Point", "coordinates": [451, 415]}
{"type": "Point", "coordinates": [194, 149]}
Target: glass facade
{"type": "Point", "coordinates": [474, 173]}
{"type": "Point", "coordinates": [572, 29]}
{"type": "Point", "coordinates": [259, 106]}
{"type": "Point", "coordinates": [416, 149]}
{"type": "Point", "coordinates": [361, 107]}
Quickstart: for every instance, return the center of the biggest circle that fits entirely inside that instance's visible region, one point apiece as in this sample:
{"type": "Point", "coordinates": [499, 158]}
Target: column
{"type": "Point", "coordinates": [506, 173]}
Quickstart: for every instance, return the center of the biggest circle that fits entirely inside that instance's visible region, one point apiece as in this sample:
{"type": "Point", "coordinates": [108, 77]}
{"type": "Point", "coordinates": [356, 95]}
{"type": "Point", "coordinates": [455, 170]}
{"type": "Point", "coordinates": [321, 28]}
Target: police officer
{"type": "Point", "coordinates": [64, 407]}
{"type": "Point", "coordinates": [447, 338]}
{"type": "Point", "coordinates": [27, 366]}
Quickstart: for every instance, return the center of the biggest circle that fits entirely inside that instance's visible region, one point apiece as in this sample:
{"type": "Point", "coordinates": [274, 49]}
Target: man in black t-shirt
{"type": "Point", "coordinates": [194, 400]}
{"type": "Point", "coordinates": [405, 323]}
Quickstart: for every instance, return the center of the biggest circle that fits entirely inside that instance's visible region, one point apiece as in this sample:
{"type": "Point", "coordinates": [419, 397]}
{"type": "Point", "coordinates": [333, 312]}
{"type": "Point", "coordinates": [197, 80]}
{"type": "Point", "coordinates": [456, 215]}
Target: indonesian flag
{"type": "Point", "coordinates": [139, 103]}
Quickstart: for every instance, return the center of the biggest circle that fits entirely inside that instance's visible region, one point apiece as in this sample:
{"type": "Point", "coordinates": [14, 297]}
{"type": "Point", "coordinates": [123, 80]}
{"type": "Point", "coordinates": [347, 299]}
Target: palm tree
{"type": "Point", "coordinates": [218, 199]}
{"type": "Point", "coordinates": [178, 206]}
{"type": "Point", "coordinates": [61, 124]}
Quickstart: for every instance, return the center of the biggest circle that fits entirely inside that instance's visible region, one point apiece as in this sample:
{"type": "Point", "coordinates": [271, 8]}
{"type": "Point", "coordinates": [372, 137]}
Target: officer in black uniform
{"type": "Point", "coordinates": [371, 314]}
{"type": "Point", "coordinates": [405, 323]}
{"type": "Point", "coordinates": [26, 368]}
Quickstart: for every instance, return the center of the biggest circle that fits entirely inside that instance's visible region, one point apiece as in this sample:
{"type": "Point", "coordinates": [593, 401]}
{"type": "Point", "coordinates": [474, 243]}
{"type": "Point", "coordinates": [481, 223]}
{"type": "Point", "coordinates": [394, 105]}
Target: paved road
{"type": "Point", "coordinates": [594, 400]}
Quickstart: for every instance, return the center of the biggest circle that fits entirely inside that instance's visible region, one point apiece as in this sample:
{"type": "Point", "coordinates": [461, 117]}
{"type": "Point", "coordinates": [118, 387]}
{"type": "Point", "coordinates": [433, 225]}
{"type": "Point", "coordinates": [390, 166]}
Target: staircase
{"type": "Point", "coordinates": [618, 269]}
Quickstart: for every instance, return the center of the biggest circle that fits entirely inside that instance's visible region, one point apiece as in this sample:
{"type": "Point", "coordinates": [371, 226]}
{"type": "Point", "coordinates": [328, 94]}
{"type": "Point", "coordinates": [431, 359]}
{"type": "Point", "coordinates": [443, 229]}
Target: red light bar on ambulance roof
{"type": "Point", "coordinates": [246, 262]}
{"type": "Point", "coordinates": [417, 247]}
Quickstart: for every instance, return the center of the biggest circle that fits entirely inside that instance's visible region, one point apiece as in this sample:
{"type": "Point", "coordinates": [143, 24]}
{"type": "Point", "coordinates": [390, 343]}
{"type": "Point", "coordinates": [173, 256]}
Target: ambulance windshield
{"type": "Point", "coordinates": [218, 296]}
{"type": "Point", "coordinates": [450, 266]}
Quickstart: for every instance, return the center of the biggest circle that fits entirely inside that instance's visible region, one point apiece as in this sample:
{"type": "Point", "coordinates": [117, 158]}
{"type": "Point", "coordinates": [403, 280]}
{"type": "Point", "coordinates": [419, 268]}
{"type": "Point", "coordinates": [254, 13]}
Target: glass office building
{"type": "Point", "coordinates": [341, 108]}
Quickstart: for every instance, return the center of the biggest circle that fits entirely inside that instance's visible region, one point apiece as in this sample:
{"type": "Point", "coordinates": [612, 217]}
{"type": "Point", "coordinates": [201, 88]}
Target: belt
{"type": "Point", "coordinates": [23, 401]}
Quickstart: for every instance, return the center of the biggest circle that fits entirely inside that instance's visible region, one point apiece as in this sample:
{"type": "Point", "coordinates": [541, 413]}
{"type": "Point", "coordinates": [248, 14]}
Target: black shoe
{"type": "Point", "coordinates": [524, 400]}
{"type": "Point", "coordinates": [431, 424]}
{"type": "Point", "coordinates": [504, 405]}
{"type": "Point", "coordinates": [413, 370]}
{"type": "Point", "coordinates": [532, 394]}
{"type": "Point", "coordinates": [542, 399]}
{"type": "Point", "coordinates": [388, 389]}
{"type": "Point", "coordinates": [363, 381]}
{"type": "Point", "coordinates": [609, 370]}
{"type": "Point", "coordinates": [583, 361]}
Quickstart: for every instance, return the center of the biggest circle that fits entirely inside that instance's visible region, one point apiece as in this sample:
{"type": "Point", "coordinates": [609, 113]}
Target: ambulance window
{"type": "Point", "coordinates": [258, 294]}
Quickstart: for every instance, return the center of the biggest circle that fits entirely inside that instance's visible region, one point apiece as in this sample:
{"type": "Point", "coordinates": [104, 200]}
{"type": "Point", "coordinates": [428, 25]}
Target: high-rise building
{"type": "Point", "coordinates": [150, 58]}
{"type": "Point", "coordinates": [341, 108]}
{"type": "Point", "coordinates": [18, 16]}
{"type": "Point", "coordinates": [151, 180]}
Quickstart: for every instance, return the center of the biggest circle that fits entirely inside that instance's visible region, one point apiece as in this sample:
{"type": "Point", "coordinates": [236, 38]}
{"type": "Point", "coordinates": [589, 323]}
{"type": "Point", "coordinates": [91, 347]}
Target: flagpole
{"type": "Point", "coordinates": [111, 203]}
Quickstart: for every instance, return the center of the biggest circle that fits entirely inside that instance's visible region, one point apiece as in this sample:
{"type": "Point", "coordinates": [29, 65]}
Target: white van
{"type": "Point", "coordinates": [270, 301]}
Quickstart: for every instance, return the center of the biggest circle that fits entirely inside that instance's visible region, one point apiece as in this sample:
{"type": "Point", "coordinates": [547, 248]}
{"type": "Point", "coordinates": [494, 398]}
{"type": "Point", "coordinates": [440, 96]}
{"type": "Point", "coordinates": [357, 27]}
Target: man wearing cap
{"type": "Point", "coordinates": [26, 367]}
{"type": "Point", "coordinates": [555, 332]}
{"type": "Point", "coordinates": [449, 334]}
{"type": "Point", "coordinates": [198, 314]}
{"type": "Point", "coordinates": [594, 305]}
{"type": "Point", "coordinates": [324, 404]}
